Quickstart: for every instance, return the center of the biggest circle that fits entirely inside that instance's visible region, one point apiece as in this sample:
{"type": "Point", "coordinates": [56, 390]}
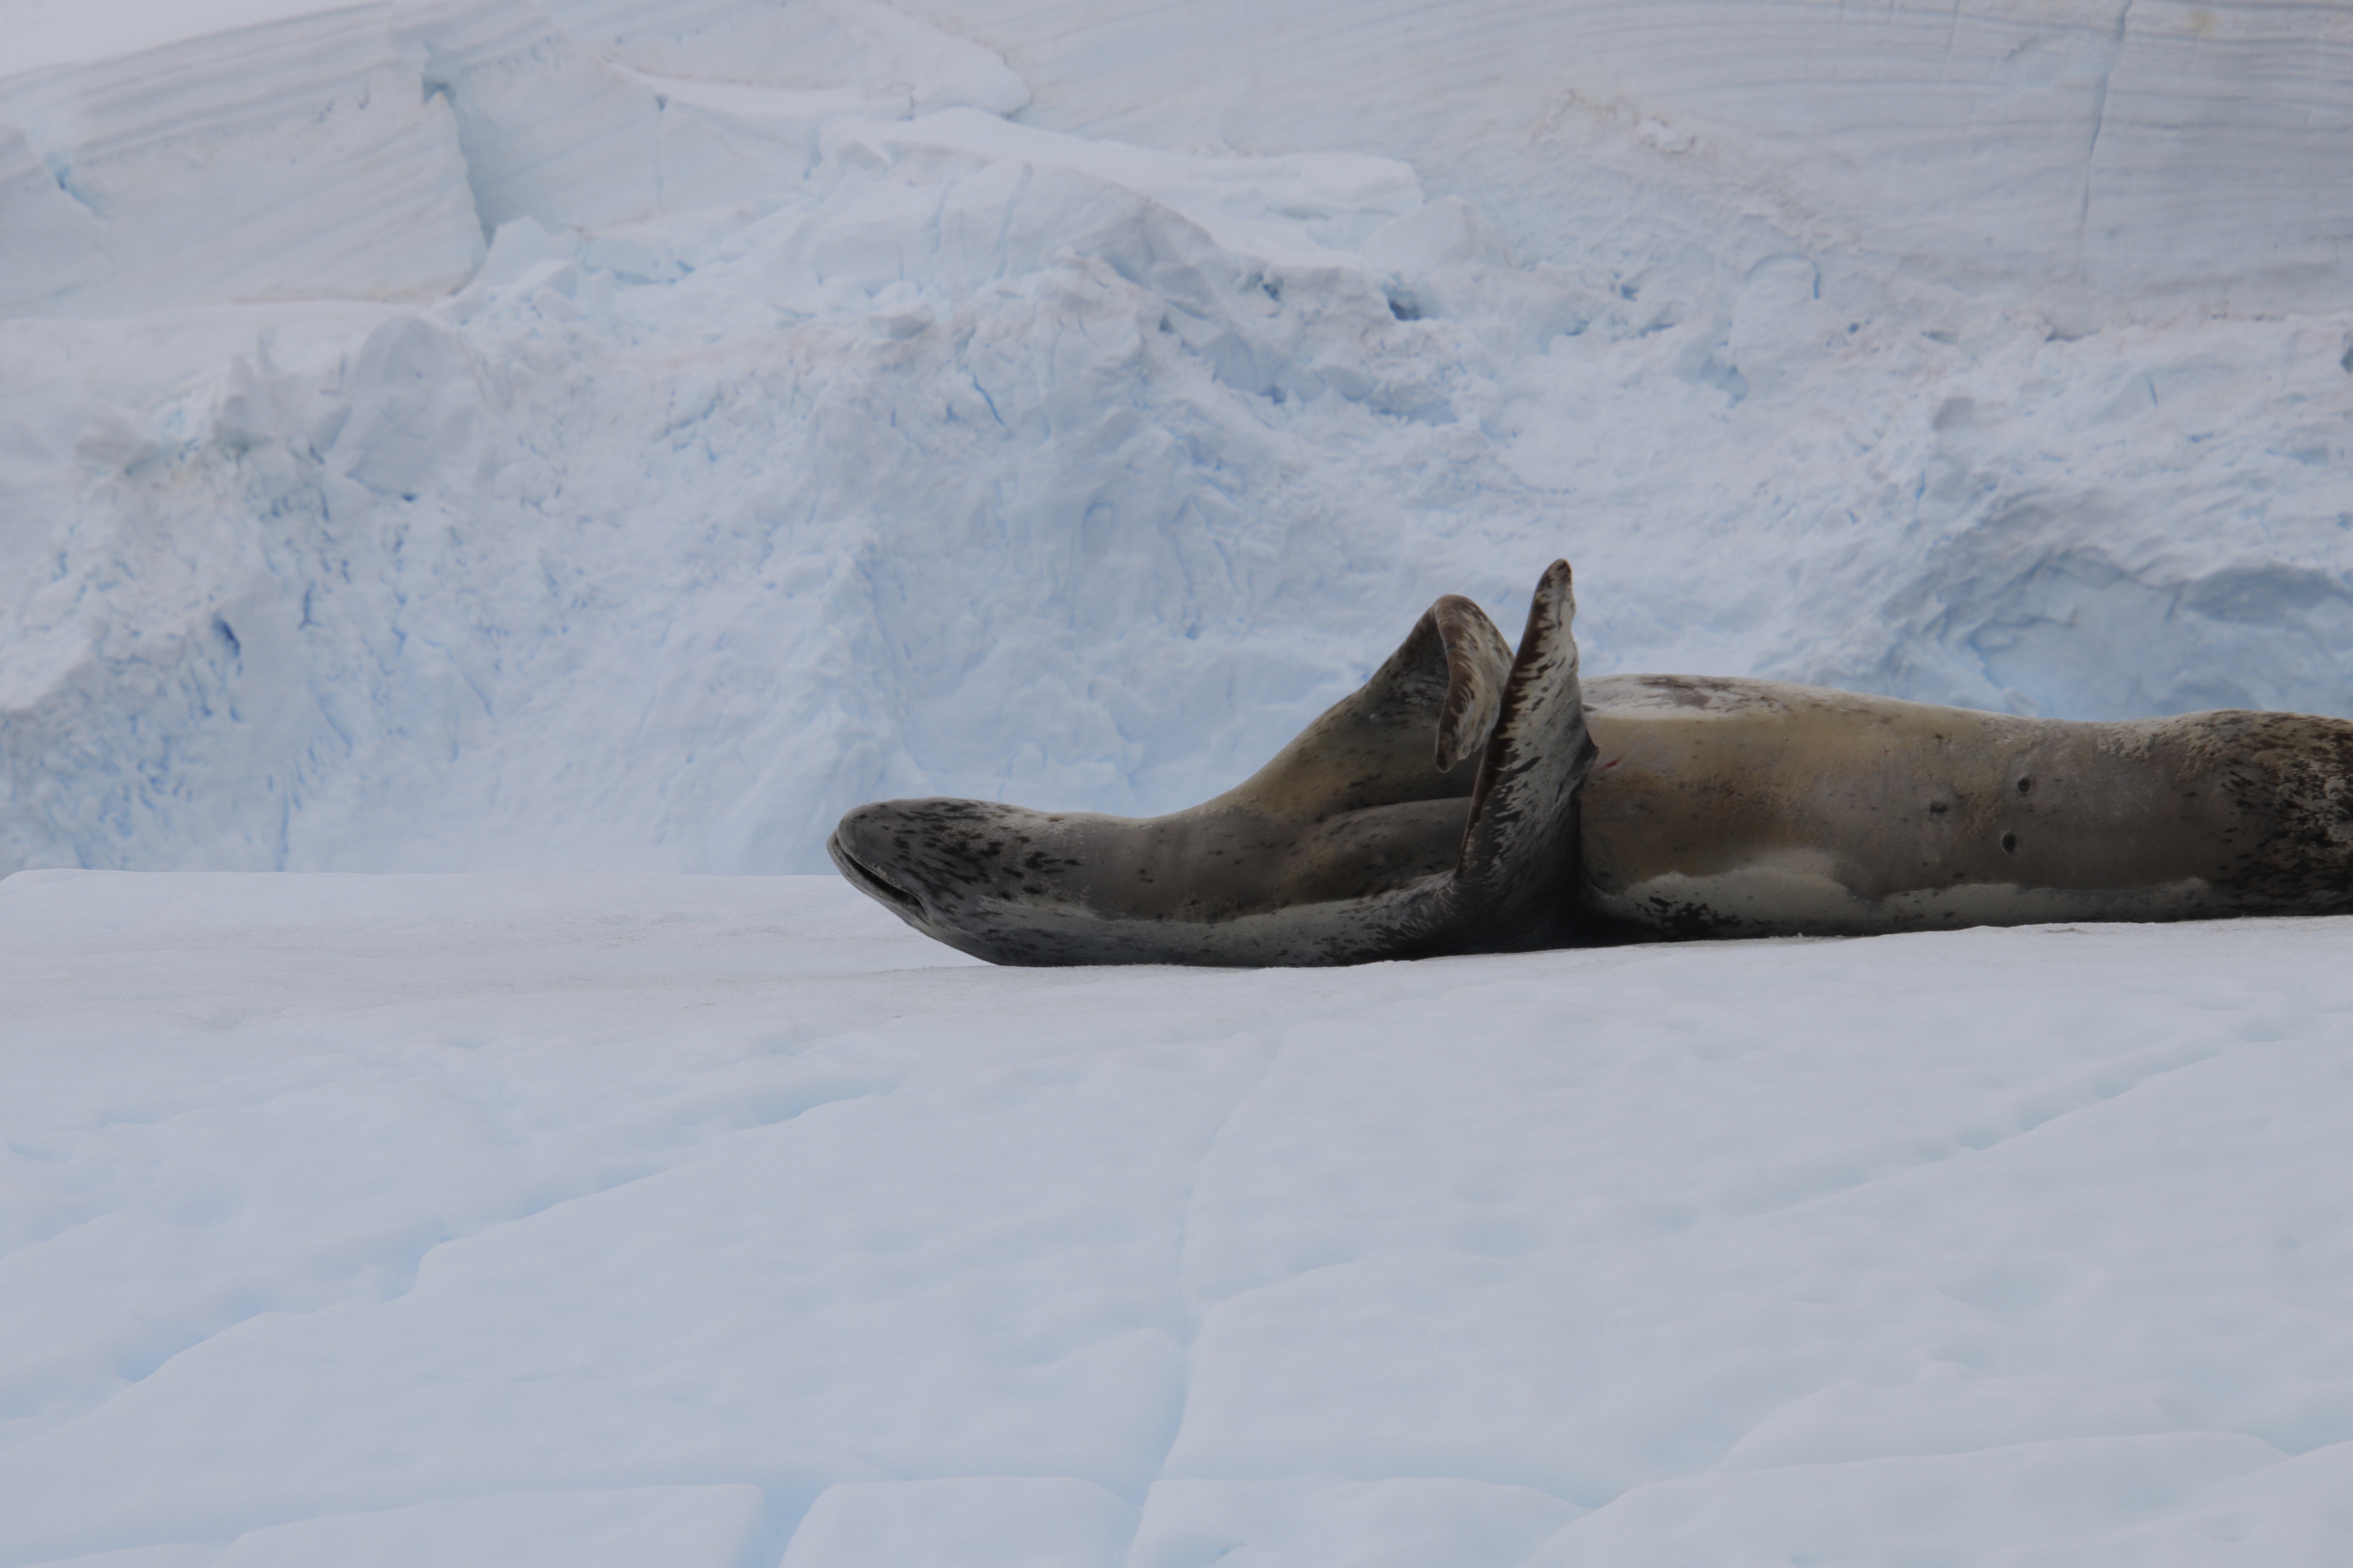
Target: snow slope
{"type": "Point", "coordinates": [625, 433]}
{"type": "Point", "coordinates": [523, 1219]}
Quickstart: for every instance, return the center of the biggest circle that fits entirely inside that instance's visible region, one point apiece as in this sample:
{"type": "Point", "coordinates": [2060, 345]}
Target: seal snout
{"type": "Point", "coordinates": [862, 850]}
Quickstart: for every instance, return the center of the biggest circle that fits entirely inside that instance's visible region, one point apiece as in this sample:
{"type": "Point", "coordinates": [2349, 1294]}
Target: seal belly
{"type": "Point", "coordinates": [1739, 807]}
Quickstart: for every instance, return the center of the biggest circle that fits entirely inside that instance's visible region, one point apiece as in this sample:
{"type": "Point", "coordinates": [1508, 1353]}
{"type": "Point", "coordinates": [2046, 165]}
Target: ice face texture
{"type": "Point", "coordinates": [628, 435]}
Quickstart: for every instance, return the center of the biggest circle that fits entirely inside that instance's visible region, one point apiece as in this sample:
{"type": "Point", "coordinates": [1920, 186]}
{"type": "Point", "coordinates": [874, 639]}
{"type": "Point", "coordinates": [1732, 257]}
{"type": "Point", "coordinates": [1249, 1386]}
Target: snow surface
{"type": "Point", "coordinates": [533, 1218]}
{"type": "Point", "coordinates": [624, 434]}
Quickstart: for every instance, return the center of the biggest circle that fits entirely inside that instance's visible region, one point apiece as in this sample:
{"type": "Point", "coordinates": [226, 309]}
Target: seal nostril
{"type": "Point", "coordinates": [2024, 786]}
{"type": "Point", "coordinates": [2009, 843]}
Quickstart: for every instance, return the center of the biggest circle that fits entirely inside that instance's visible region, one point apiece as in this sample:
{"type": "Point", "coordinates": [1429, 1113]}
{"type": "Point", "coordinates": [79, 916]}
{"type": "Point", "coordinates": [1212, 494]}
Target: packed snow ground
{"type": "Point", "coordinates": [522, 1219]}
{"type": "Point", "coordinates": [625, 433]}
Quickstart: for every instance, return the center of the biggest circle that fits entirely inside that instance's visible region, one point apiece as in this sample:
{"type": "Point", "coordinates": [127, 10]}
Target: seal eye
{"type": "Point", "coordinates": [2024, 786]}
{"type": "Point", "coordinates": [2009, 843]}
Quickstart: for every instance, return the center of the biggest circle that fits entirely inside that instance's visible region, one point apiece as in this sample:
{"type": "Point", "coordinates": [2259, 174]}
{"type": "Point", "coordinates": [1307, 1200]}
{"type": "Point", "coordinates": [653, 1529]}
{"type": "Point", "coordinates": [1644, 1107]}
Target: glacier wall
{"type": "Point", "coordinates": [630, 432]}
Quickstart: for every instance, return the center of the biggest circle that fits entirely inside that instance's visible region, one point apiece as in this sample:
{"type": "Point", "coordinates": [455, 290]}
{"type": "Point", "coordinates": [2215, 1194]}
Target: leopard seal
{"type": "Point", "coordinates": [1471, 799]}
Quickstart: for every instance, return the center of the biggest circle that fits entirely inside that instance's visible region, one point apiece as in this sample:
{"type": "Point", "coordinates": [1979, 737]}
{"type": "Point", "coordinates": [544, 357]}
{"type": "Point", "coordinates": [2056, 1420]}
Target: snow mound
{"type": "Point", "coordinates": [629, 434]}
{"type": "Point", "coordinates": [497, 1221]}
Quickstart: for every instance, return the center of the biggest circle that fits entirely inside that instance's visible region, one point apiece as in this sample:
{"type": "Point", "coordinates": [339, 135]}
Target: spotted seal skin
{"type": "Point", "coordinates": [1756, 809]}
{"type": "Point", "coordinates": [1469, 799]}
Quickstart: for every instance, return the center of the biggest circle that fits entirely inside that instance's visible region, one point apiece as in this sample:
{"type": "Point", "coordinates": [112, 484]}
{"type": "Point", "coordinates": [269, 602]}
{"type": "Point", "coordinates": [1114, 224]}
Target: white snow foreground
{"type": "Point", "coordinates": [1064, 403]}
{"type": "Point", "coordinates": [524, 1219]}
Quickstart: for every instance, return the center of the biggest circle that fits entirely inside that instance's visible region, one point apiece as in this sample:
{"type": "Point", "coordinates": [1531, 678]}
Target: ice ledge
{"type": "Point", "coordinates": [298, 159]}
{"type": "Point", "coordinates": [365, 153]}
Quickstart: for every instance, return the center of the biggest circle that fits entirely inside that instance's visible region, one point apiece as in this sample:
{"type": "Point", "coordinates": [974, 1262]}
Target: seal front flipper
{"type": "Point", "coordinates": [1519, 848]}
{"type": "Point", "coordinates": [1512, 884]}
{"type": "Point", "coordinates": [1478, 663]}
{"type": "Point", "coordinates": [1414, 731]}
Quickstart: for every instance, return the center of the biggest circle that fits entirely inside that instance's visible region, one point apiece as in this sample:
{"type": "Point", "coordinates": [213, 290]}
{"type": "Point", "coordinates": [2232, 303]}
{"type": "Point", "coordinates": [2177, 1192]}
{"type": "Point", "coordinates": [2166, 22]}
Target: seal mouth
{"type": "Point", "coordinates": [871, 880]}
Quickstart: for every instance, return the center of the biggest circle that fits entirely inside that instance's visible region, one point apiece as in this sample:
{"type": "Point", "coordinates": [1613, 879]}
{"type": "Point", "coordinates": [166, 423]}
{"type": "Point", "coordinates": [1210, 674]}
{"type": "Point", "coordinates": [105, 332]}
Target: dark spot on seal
{"type": "Point", "coordinates": [2009, 843]}
{"type": "Point", "coordinates": [2025, 786]}
{"type": "Point", "coordinates": [1938, 808]}
{"type": "Point", "coordinates": [1680, 690]}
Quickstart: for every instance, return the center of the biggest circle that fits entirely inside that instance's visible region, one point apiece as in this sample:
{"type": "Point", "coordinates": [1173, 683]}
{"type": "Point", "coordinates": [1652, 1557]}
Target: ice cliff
{"type": "Point", "coordinates": [629, 432]}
